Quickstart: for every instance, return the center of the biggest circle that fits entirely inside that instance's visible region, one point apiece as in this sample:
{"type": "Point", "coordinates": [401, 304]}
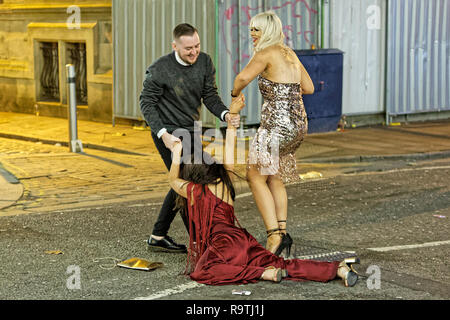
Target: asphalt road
{"type": "Point", "coordinates": [394, 215]}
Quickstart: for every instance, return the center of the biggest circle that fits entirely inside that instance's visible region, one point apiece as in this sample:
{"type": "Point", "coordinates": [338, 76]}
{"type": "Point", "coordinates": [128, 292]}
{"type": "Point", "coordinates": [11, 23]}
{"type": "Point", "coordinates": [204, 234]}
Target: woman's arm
{"type": "Point", "coordinates": [230, 138]}
{"type": "Point", "coordinates": [256, 66]}
{"type": "Point", "coordinates": [236, 105]}
{"type": "Point", "coordinates": [177, 184]}
{"type": "Point", "coordinates": [306, 82]}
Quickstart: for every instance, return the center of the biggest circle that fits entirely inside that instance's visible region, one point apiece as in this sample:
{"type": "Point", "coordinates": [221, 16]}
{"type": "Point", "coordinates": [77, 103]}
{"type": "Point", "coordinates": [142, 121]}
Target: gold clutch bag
{"type": "Point", "coordinates": [140, 264]}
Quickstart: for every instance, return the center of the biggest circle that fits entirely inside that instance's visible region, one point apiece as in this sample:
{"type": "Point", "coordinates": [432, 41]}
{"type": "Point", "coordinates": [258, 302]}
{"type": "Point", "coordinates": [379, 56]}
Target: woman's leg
{"type": "Point", "coordinates": [265, 204]}
{"type": "Point", "coordinates": [312, 270]}
{"type": "Point", "coordinates": [279, 194]}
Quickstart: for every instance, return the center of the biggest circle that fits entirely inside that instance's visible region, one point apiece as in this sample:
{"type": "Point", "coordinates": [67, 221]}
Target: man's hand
{"type": "Point", "coordinates": [233, 119]}
{"type": "Point", "coordinates": [169, 140]}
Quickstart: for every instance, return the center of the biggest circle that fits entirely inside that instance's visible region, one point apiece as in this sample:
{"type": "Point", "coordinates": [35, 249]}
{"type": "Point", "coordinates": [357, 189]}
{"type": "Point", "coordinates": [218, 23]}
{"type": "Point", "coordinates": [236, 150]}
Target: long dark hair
{"type": "Point", "coordinates": [209, 171]}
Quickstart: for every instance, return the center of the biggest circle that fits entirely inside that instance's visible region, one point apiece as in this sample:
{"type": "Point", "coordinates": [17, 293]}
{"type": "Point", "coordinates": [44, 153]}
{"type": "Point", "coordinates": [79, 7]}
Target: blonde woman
{"type": "Point", "coordinates": [282, 80]}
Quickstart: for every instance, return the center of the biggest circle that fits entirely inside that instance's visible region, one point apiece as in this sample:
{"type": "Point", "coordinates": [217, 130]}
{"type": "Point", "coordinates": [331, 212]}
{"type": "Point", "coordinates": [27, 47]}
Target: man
{"type": "Point", "coordinates": [174, 88]}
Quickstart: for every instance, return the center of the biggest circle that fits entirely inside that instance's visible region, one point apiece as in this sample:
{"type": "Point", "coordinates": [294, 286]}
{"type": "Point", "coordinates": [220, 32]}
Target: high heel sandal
{"type": "Point", "coordinates": [351, 261]}
{"type": "Point", "coordinates": [278, 274]}
{"type": "Point", "coordinates": [286, 241]}
{"type": "Point", "coordinates": [273, 232]}
{"type": "Point", "coordinates": [347, 272]}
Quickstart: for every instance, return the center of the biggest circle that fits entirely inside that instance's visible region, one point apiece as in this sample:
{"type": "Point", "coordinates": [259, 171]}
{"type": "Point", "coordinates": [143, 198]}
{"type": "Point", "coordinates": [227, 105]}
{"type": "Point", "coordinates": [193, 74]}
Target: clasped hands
{"type": "Point", "coordinates": [233, 118]}
{"type": "Point", "coordinates": [237, 104]}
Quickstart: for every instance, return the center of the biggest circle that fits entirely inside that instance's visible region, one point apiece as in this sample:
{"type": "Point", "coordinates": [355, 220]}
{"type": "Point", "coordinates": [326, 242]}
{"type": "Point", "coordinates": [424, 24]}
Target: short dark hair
{"type": "Point", "coordinates": [183, 29]}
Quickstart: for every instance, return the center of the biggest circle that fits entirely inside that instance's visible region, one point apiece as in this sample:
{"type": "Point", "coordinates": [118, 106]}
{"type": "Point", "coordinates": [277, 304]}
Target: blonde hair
{"type": "Point", "coordinates": [271, 29]}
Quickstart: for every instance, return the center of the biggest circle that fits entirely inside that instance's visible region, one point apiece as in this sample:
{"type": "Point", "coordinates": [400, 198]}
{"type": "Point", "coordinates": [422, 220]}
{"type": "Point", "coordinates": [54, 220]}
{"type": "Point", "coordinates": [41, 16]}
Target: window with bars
{"type": "Point", "coordinates": [76, 55]}
{"type": "Point", "coordinates": [49, 77]}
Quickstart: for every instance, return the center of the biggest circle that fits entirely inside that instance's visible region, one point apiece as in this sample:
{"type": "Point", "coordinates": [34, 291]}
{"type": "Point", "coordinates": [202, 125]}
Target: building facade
{"type": "Point", "coordinates": [38, 39]}
{"type": "Point", "coordinates": [396, 53]}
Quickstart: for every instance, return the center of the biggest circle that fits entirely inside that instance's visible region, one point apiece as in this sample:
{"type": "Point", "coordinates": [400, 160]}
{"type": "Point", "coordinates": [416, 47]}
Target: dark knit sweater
{"type": "Point", "coordinates": [172, 93]}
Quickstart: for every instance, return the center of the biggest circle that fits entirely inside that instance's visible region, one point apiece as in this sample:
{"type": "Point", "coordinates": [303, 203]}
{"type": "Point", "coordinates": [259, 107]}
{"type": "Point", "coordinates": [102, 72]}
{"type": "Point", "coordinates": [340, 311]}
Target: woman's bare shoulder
{"type": "Point", "coordinates": [270, 51]}
{"type": "Point", "coordinates": [264, 54]}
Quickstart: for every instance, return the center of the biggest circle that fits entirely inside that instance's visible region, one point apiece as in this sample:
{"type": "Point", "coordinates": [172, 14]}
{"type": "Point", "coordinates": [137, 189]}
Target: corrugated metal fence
{"type": "Point", "coordinates": [142, 33]}
{"type": "Point", "coordinates": [235, 46]}
{"type": "Point", "coordinates": [418, 73]}
{"type": "Point", "coordinates": [359, 29]}
{"type": "Point", "coordinates": [397, 53]}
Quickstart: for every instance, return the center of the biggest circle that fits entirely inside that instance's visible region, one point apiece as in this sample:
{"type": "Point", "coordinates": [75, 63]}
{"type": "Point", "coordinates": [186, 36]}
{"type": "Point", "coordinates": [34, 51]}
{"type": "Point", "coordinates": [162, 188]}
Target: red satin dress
{"type": "Point", "coordinates": [222, 253]}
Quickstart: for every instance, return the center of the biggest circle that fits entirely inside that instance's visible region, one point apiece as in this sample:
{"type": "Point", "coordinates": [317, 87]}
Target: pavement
{"type": "Point", "coordinates": [120, 163]}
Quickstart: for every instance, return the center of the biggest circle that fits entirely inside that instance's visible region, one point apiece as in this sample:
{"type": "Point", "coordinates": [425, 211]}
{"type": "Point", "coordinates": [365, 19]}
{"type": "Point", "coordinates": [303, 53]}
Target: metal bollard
{"type": "Point", "coordinates": [75, 145]}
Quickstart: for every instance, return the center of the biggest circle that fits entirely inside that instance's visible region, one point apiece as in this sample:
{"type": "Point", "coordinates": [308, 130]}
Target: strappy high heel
{"type": "Point", "coordinates": [347, 272]}
{"type": "Point", "coordinates": [286, 241]}
{"type": "Point", "coordinates": [278, 274]}
{"type": "Point", "coordinates": [273, 232]}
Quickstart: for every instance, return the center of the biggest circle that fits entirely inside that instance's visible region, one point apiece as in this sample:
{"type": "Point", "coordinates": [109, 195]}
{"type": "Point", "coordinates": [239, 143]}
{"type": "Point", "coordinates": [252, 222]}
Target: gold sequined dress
{"type": "Point", "coordinates": [283, 126]}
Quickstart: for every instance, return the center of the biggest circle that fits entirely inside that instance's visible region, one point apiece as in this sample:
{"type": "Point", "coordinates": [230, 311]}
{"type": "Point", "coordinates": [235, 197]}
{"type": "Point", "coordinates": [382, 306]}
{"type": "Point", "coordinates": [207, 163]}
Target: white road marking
{"type": "Point", "coordinates": [242, 195]}
{"type": "Point", "coordinates": [149, 204]}
{"type": "Point", "coordinates": [168, 292]}
{"type": "Point", "coordinates": [394, 171]}
{"type": "Point", "coordinates": [411, 246]}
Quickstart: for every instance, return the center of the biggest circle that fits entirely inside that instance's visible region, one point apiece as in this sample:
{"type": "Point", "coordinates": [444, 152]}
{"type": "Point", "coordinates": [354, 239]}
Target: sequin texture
{"type": "Point", "coordinates": [283, 126]}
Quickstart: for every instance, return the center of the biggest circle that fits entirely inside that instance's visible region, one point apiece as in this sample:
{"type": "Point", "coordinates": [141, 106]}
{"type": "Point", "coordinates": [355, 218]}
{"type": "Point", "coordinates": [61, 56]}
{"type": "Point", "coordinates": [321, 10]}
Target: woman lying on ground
{"type": "Point", "coordinates": [219, 251]}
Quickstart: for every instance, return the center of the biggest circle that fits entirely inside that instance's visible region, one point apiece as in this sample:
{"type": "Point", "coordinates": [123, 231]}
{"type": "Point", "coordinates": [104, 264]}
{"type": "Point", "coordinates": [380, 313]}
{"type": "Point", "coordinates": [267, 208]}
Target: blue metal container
{"type": "Point", "coordinates": [324, 107]}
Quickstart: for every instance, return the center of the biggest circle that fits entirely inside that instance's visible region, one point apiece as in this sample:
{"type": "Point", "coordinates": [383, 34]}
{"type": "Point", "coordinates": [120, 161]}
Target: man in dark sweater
{"type": "Point", "coordinates": [171, 98]}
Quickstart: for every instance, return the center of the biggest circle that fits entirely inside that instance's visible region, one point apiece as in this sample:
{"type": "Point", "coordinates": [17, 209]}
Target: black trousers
{"type": "Point", "coordinates": [168, 212]}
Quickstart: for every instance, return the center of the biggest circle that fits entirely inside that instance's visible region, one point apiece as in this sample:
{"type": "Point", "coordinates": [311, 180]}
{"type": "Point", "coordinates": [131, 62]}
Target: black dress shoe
{"type": "Point", "coordinates": [166, 245]}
